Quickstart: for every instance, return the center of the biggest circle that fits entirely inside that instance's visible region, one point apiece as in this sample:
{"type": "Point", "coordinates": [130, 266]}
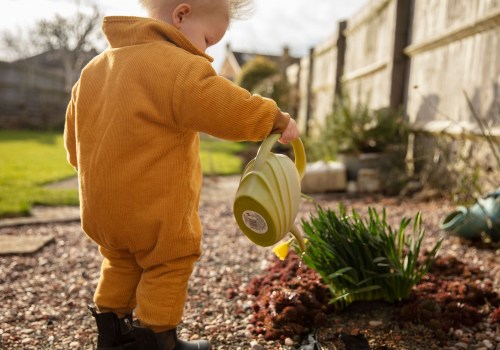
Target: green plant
{"type": "Point", "coordinates": [365, 259]}
{"type": "Point", "coordinates": [355, 129]}
{"type": "Point", "coordinates": [358, 129]}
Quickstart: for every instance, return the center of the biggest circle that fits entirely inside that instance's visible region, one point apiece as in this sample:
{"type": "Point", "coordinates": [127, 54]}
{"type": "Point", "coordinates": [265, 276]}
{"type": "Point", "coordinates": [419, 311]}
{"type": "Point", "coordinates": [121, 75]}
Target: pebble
{"type": "Point", "coordinates": [256, 346]}
{"type": "Point", "coordinates": [488, 344]}
{"type": "Point", "coordinates": [248, 335]}
{"type": "Point", "coordinates": [289, 342]}
{"type": "Point", "coordinates": [211, 327]}
{"type": "Point", "coordinates": [461, 345]}
{"type": "Point", "coordinates": [375, 323]}
{"type": "Point", "coordinates": [479, 336]}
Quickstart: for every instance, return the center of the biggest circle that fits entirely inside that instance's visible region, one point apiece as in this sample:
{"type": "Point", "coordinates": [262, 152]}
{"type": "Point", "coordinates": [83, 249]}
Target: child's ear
{"type": "Point", "coordinates": [180, 13]}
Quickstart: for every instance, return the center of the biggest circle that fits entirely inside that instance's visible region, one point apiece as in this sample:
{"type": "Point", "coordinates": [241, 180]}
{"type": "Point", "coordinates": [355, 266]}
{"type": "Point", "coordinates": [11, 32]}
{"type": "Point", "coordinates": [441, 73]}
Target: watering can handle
{"type": "Point", "coordinates": [298, 150]}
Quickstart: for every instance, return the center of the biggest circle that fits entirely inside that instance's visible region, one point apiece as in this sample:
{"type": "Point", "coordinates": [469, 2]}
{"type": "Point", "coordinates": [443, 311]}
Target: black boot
{"type": "Point", "coordinates": [170, 337]}
{"type": "Point", "coordinates": [114, 333]}
{"type": "Point", "coordinates": [149, 340]}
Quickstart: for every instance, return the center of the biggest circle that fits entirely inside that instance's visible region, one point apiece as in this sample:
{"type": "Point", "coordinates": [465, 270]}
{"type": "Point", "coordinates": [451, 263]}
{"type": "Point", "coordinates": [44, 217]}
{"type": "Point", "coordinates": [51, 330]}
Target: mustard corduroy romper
{"type": "Point", "coordinates": [132, 133]}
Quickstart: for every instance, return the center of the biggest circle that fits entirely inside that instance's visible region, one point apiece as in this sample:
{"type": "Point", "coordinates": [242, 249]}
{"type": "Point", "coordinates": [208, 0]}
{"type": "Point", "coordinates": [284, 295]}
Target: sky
{"type": "Point", "coordinates": [298, 24]}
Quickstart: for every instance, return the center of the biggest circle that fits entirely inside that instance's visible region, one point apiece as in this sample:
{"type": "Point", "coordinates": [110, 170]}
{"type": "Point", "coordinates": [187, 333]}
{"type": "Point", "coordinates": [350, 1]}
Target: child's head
{"type": "Point", "coordinates": [203, 22]}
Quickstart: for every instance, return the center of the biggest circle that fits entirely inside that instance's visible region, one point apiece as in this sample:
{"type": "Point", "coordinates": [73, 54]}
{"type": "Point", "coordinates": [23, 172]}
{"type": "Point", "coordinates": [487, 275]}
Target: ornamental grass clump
{"type": "Point", "coordinates": [366, 259]}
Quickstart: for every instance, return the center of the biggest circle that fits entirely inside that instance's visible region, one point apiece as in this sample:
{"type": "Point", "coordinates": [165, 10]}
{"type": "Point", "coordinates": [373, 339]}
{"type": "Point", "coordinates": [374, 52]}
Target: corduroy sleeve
{"type": "Point", "coordinates": [206, 102]}
{"type": "Point", "coordinates": [69, 132]}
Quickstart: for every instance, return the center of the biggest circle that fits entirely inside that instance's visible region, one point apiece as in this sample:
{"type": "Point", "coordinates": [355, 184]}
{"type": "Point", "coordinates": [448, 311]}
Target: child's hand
{"type": "Point", "coordinates": [290, 133]}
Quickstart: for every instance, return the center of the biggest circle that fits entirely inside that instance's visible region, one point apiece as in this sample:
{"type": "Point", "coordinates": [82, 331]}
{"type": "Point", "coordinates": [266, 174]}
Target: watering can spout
{"type": "Point", "coordinates": [268, 196]}
{"type": "Point", "coordinates": [298, 237]}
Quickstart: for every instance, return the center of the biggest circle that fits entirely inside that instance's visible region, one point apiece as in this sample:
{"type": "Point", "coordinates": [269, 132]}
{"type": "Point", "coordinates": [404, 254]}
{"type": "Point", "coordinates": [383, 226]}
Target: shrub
{"type": "Point", "coordinates": [255, 71]}
{"type": "Point", "coordinates": [355, 129]}
{"type": "Point", "coordinates": [262, 76]}
{"type": "Point", "coordinates": [365, 259]}
{"type": "Point", "coordinates": [359, 129]}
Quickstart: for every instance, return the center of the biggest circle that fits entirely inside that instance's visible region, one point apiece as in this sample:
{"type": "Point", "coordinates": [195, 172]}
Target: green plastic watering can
{"type": "Point", "coordinates": [483, 216]}
{"type": "Point", "coordinates": [268, 196]}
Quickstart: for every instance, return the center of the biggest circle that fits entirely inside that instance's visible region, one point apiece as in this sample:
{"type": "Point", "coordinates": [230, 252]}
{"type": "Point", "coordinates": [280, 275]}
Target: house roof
{"type": "Point", "coordinates": [235, 60]}
{"type": "Point", "coordinates": [53, 59]}
{"type": "Point", "coordinates": [244, 57]}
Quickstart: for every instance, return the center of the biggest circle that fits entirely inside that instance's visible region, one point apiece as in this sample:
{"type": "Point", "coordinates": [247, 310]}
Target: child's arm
{"type": "Point", "coordinates": [204, 101]}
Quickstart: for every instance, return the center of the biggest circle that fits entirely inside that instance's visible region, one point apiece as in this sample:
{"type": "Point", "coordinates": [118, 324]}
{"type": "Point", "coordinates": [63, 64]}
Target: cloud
{"type": "Point", "coordinates": [298, 24]}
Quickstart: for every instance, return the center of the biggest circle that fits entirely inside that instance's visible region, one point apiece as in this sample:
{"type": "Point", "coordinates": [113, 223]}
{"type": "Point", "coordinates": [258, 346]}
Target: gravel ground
{"type": "Point", "coordinates": [44, 296]}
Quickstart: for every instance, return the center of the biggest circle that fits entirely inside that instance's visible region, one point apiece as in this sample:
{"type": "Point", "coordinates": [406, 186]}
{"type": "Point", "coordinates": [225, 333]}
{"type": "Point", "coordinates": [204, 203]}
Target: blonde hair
{"type": "Point", "coordinates": [238, 9]}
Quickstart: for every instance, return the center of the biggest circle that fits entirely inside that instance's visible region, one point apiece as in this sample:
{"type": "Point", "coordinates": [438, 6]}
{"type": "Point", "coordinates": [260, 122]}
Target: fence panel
{"type": "Point", "coordinates": [323, 83]}
{"type": "Point", "coordinates": [31, 96]}
{"type": "Point", "coordinates": [455, 48]}
{"type": "Point", "coordinates": [369, 54]}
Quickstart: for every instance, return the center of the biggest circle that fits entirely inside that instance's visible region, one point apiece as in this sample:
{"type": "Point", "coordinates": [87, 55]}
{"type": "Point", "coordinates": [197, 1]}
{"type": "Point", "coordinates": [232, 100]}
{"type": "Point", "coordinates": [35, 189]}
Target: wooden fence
{"type": "Point", "coordinates": [31, 96]}
{"type": "Point", "coordinates": [419, 54]}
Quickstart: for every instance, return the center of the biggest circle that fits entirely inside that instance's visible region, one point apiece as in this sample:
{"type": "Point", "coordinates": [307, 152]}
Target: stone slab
{"type": "Point", "coordinates": [22, 244]}
{"type": "Point", "coordinates": [44, 215]}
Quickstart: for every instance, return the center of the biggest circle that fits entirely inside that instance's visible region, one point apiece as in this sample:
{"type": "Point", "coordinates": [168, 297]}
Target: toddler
{"type": "Point", "coordinates": [132, 132]}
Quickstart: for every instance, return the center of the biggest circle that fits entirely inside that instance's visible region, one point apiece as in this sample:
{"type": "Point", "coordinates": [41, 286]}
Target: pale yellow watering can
{"type": "Point", "coordinates": [267, 199]}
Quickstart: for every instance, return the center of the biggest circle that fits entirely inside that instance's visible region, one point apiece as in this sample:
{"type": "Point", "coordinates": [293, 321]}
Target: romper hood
{"type": "Point", "coordinates": [122, 31]}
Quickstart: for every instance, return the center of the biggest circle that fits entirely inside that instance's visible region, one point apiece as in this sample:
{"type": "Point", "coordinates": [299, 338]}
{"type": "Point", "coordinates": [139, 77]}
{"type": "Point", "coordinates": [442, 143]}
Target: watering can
{"type": "Point", "coordinates": [483, 216]}
{"type": "Point", "coordinates": [267, 199]}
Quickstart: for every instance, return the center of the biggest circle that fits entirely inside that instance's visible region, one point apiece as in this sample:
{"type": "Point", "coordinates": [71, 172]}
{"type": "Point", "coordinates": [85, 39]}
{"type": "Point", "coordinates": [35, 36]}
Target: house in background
{"type": "Point", "coordinates": [61, 61]}
{"type": "Point", "coordinates": [235, 60]}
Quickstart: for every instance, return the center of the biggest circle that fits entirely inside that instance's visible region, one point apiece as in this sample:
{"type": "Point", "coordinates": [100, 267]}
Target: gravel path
{"type": "Point", "coordinates": [44, 295]}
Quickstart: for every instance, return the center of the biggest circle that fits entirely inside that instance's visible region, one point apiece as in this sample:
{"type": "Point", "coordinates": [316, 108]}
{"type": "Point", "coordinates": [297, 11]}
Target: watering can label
{"type": "Point", "coordinates": [255, 222]}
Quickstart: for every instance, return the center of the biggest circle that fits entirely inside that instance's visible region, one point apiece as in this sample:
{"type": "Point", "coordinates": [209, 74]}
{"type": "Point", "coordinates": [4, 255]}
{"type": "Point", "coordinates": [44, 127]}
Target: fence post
{"type": "Point", "coordinates": [341, 48]}
{"type": "Point", "coordinates": [309, 94]}
{"type": "Point", "coordinates": [399, 60]}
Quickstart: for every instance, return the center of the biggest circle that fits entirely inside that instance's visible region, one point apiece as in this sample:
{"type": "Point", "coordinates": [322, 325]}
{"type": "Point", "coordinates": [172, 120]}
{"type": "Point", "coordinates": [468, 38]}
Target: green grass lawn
{"type": "Point", "coordinates": [31, 159]}
{"type": "Point", "coordinates": [28, 160]}
{"type": "Point", "coordinates": [220, 157]}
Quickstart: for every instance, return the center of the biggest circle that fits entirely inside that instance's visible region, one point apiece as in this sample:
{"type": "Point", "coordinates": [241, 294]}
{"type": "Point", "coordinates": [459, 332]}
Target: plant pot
{"type": "Point", "coordinates": [354, 162]}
